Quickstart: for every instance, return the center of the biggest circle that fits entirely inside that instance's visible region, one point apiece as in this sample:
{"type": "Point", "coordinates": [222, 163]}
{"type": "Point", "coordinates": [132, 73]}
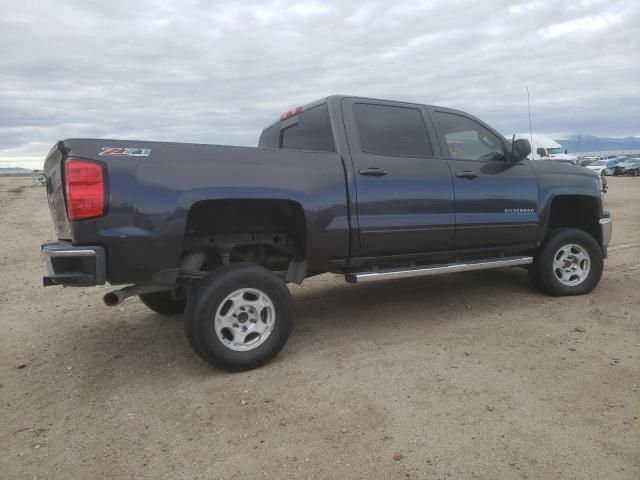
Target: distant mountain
{"type": "Point", "coordinates": [15, 171]}
{"type": "Point", "coordinates": [590, 143]}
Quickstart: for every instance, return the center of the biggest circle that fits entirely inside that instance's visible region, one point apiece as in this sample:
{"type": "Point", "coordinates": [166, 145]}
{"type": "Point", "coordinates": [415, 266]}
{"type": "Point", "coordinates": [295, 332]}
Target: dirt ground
{"type": "Point", "coordinates": [462, 376]}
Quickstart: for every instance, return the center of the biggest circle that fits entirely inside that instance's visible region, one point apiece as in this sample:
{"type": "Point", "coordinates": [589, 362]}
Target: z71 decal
{"type": "Point", "coordinates": [125, 152]}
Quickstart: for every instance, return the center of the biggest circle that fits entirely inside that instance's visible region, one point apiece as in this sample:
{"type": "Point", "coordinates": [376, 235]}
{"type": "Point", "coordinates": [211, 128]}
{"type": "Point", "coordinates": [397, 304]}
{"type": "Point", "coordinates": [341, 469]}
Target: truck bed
{"type": "Point", "coordinates": [149, 196]}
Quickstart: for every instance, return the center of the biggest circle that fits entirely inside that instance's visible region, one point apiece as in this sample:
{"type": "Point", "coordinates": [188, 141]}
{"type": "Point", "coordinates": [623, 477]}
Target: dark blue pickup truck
{"type": "Point", "coordinates": [370, 189]}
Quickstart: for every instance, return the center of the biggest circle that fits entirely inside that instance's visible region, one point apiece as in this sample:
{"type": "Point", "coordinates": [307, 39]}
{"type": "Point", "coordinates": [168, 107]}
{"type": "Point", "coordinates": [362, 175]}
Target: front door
{"type": "Point", "coordinates": [496, 200]}
{"type": "Point", "coordinates": [404, 190]}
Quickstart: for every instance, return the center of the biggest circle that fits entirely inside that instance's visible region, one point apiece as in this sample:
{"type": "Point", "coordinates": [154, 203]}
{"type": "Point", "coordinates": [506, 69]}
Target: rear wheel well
{"type": "Point", "coordinates": [267, 232]}
{"type": "Point", "coordinates": [576, 211]}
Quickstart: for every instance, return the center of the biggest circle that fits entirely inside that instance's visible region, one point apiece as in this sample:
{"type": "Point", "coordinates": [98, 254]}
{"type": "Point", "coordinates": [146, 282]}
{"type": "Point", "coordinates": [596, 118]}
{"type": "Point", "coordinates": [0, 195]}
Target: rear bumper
{"type": "Point", "coordinates": [74, 266]}
{"type": "Point", "coordinates": [606, 228]}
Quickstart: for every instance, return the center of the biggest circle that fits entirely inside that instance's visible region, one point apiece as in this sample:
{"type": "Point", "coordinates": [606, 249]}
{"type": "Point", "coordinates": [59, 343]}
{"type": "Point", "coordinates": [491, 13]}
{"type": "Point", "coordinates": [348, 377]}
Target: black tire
{"type": "Point", "coordinates": [207, 297]}
{"type": "Point", "coordinates": [542, 271]}
{"type": "Point", "coordinates": [165, 303]}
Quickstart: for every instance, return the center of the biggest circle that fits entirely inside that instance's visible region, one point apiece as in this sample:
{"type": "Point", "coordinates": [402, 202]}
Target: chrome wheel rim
{"type": "Point", "coordinates": [244, 319]}
{"type": "Point", "coordinates": [571, 264]}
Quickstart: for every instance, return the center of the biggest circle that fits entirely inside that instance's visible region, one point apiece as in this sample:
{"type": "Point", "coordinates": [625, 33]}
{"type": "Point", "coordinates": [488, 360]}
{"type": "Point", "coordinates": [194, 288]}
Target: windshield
{"type": "Point", "coordinates": [554, 150]}
{"type": "Point", "coordinates": [597, 163]}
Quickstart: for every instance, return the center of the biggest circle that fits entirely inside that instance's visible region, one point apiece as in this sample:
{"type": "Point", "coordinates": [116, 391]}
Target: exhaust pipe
{"type": "Point", "coordinates": [116, 297]}
{"type": "Point", "coordinates": [191, 263]}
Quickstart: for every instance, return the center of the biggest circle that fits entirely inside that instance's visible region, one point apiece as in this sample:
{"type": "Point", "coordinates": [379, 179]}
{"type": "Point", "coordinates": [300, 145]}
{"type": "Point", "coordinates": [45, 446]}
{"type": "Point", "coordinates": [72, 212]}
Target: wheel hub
{"type": "Point", "coordinates": [244, 319]}
{"type": "Point", "coordinates": [571, 264]}
{"type": "Point", "coordinates": [246, 316]}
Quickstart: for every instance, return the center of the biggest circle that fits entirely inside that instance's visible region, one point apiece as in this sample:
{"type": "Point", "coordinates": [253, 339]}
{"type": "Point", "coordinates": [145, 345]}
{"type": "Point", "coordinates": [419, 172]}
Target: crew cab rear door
{"type": "Point", "coordinates": [496, 200]}
{"type": "Point", "coordinates": [404, 194]}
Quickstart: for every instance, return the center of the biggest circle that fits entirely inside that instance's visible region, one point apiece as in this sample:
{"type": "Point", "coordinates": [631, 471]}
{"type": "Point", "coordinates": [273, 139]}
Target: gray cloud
{"type": "Point", "coordinates": [218, 71]}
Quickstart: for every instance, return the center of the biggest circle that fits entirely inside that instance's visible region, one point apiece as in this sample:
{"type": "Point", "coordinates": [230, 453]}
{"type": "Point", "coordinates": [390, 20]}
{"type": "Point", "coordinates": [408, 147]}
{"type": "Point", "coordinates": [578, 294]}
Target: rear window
{"type": "Point", "coordinates": [270, 137]}
{"type": "Point", "coordinates": [311, 132]}
{"type": "Point", "coordinates": [393, 131]}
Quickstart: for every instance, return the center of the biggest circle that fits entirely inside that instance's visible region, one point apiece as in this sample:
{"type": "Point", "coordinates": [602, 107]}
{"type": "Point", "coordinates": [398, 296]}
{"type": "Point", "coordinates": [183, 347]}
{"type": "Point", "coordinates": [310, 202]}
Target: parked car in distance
{"type": "Point", "coordinates": [604, 167]}
{"type": "Point", "coordinates": [568, 162]}
{"type": "Point", "coordinates": [630, 166]}
{"type": "Point", "coordinates": [584, 161]}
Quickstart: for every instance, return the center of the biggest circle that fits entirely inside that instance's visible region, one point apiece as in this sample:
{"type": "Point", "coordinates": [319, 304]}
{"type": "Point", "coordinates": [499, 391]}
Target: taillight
{"type": "Point", "coordinates": [291, 113]}
{"type": "Point", "coordinates": [84, 189]}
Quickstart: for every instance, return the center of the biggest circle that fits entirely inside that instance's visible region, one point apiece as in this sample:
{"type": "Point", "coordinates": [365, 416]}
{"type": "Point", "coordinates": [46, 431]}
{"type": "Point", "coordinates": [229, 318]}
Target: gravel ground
{"type": "Point", "coordinates": [462, 376]}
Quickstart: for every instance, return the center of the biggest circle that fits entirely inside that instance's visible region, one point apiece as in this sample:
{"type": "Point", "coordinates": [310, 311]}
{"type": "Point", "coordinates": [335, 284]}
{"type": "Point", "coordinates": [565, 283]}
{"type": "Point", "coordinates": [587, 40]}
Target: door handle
{"type": "Point", "coordinates": [466, 174]}
{"type": "Point", "coordinates": [373, 172]}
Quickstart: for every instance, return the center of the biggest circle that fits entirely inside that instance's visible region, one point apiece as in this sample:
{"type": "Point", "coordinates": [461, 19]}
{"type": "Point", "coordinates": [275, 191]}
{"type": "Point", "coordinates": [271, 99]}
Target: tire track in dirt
{"type": "Point", "coordinates": [623, 246]}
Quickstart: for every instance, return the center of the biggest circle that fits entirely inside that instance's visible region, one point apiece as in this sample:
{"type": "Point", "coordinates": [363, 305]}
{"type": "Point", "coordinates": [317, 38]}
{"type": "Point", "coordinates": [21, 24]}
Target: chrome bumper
{"type": "Point", "coordinates": [69, 265]}
{"type": "Point", "coordinates": [606, 227]}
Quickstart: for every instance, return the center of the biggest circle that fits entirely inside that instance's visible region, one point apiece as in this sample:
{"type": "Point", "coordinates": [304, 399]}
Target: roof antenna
{"type": "Point", "coordinates": [530, 128]}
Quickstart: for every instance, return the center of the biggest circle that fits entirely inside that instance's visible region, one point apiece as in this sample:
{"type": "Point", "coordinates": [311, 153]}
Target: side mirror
{"type": "Point", "coordinates": [520, 149]}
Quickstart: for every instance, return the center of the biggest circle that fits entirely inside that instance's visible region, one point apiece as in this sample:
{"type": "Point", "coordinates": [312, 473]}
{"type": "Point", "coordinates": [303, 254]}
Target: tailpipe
{"type": "Point", "coordinates": [116, 297]}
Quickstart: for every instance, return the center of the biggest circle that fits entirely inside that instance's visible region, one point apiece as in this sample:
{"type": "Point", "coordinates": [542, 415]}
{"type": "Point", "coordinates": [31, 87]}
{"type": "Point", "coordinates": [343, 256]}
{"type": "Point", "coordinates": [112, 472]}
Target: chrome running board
{"type": "Point", "coordinates": [406, 272]}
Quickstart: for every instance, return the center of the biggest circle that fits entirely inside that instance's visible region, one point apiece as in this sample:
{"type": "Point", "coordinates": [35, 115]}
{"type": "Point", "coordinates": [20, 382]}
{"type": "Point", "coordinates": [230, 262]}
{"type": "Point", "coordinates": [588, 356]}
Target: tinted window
{"type": "Point", "coordinates": [270, 137]}
{"type": "Point", "coordinates": [396, 131]}
{"type": "Point", "coordinates": [312, 132]}
{"type": "Point", "coordinates": [466, 139]}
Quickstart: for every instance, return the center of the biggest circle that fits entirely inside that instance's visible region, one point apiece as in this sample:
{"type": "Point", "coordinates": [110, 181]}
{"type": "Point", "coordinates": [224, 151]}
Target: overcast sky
{"type": "Point", "coordinates": [218, 71]}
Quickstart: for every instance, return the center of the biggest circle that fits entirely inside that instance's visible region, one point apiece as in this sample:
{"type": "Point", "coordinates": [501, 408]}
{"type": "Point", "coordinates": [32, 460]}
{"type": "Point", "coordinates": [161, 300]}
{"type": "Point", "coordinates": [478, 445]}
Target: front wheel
{"type": "Point", "coordinates": [239, 317]}
{"type": "Point", "coordinates": [570, 263]}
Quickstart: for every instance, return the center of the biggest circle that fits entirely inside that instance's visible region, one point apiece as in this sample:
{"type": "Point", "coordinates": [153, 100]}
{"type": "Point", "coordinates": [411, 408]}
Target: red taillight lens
{"type": "Point", "coordinates": [84, 188]}
{"type": "Point", "coordinates": [291, 113]}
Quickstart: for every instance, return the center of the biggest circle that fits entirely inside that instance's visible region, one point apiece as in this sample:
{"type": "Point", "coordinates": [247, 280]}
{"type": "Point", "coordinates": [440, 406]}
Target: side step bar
{"type": "Point", "coordinates": [373, 275]}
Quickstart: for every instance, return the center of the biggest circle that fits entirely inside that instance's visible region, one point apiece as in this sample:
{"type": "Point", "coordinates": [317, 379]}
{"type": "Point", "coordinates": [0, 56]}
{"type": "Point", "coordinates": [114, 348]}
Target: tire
{"type": "Point", "coordinates": [239, 317]}
{"type": "Point", "coordinates": [165, 303]}
{"type": "Point", "coordinates": [635, 173]}
{"type": "Point", "coordinates": [574, 271]}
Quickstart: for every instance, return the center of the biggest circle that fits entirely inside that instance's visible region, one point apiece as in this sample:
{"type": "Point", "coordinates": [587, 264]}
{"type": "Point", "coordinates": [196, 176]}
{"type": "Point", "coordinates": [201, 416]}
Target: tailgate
{"type": "Point", "coordinates": [55, 192]}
